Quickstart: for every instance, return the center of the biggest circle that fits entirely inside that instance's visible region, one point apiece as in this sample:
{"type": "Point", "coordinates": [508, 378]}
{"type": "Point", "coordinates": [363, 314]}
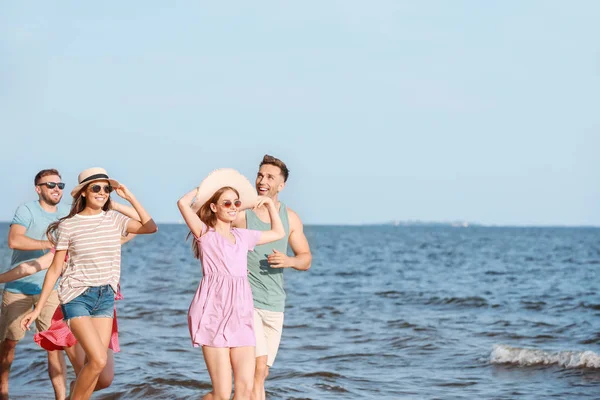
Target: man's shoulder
{"type": "Point", "coordinates": [27, 215]}
{"type": "Point", "coordinates": [29, 206]}
{"type": "Point", "coordinates": [24, 211]}
{"type": "Point", "coordinates": [291, 212]}
{"type": "Point", "coordinates": [294, 218]}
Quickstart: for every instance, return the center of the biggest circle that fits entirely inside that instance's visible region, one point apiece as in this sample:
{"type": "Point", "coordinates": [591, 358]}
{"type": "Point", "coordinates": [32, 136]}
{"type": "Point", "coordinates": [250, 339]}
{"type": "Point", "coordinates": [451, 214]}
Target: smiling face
{"type": "Point", "coordinates": [269, 181]}
{"type": "Point", "coordinates": [95, 198]}
{"type": "Point", "coordinates": [47, 195]}
{"type": "Point", "coordinates": [227, 207]}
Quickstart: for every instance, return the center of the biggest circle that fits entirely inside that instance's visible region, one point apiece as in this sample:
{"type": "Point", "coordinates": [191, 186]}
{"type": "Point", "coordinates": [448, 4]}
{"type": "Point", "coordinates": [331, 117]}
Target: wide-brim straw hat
{"type": "Point", "coordinates": [93, 175]}
{"type": "Point", "coordinates": [221, 178]}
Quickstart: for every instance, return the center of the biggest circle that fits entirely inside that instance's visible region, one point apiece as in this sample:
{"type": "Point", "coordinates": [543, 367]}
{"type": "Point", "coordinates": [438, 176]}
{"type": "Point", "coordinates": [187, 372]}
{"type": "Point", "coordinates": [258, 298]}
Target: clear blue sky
{"type": "Point", "coordinates": [487, 111]}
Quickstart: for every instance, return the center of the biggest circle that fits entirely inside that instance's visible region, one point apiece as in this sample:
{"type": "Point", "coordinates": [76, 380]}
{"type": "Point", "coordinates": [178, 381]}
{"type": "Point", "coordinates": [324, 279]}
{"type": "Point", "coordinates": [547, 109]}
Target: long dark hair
{"type": "Point", "coordinates": [208, 216]}
{"type": "Point", "coordinates": [77, 207]}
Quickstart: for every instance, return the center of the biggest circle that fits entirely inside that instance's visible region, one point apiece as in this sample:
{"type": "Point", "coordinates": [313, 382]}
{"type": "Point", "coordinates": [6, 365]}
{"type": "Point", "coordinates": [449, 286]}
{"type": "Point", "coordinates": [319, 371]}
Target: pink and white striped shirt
{"type": "Point", "coordinates": [94, 246]}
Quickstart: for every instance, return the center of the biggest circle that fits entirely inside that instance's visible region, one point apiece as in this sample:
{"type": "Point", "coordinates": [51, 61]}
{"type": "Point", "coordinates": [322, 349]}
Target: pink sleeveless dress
{"type": "Point", "coordinates": [222, 312]}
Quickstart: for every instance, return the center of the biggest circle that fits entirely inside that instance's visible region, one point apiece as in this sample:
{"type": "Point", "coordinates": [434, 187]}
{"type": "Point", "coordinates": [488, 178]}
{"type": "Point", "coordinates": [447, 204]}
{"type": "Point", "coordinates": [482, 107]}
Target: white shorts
{"type": "Point", "coordinates": [267, 329]}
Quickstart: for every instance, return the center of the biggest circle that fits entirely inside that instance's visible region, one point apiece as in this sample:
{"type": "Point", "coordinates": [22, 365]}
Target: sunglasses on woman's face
{"type": "Point", "coordinates": [98, 188]}
{"type": "Point", "coordinates": [228, 203]}
{"type": "Point", "coordinates": [52, 185]}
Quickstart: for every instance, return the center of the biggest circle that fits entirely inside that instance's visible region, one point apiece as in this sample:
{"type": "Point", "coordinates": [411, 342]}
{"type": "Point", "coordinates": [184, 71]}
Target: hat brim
{"type": "Point", "coordinates": [226, 177]}
{"type": "Point", "coordinates": [113, 182]}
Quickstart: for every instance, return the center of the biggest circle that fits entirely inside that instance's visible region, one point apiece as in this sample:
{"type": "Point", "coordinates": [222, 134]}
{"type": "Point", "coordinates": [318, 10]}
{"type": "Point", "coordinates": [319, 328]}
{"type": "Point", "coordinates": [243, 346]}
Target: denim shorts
{"type": "Point", "coordinates": [95, 302]}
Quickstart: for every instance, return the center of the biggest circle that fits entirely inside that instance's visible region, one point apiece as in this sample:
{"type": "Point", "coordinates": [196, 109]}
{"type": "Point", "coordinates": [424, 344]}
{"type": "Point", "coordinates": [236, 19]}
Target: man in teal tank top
{"type": "Point", "coordinates": [266, 264]}
{"type": "Point", "coordinates": [27, 238]}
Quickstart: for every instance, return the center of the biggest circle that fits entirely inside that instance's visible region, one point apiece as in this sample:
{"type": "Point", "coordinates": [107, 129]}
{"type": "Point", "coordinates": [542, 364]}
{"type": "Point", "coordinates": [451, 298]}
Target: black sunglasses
{"type": "Point", "coordinates": [52, 185]}
{"type": "Point", "coordinates": [98, 188]}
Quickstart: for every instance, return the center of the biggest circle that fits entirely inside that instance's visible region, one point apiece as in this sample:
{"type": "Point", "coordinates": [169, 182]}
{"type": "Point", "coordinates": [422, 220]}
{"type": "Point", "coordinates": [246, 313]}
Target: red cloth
{"type": "Point", "coordinates": [58, 336]}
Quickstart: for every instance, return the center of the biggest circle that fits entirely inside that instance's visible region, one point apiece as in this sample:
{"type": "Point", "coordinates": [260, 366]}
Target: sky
{"type": "Point", "coordinates": [486, 112]}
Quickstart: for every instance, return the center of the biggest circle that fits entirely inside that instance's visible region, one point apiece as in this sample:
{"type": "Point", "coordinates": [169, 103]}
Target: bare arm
{"type": "Point", "coordinates": [240, 221]}
{"type": "Point", "coordinates": [189, 216]}
{"type": "Point", "coordinates": [277, 231]}
{"type": "Point", "coordinates": [145, 224]}
{"type": "Point", "coordinates": [18, 241]}
{"type": "Point", "coordinates": [52, 275]}
{"type": "Point", "coordinates": [126, 210]}
{"type": "Point", "coordinates": [27, 268]}
{"type": "Point", "coordinates": [297, 240]}
{"type": "Point", "coordinates": [127, 238]}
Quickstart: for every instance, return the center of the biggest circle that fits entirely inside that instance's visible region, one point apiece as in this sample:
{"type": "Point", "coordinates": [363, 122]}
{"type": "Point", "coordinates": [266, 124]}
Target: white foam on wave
{"type": "Point", "coordinates": [502, 354]}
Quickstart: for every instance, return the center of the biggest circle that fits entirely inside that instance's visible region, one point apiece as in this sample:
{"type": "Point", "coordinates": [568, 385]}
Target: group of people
{"type": "Point", "coordinates": [240, 233]}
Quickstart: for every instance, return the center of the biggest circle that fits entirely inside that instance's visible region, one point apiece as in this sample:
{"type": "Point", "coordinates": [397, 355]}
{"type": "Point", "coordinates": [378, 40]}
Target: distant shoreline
{"type": "Point", "coordinates": [419, 224]}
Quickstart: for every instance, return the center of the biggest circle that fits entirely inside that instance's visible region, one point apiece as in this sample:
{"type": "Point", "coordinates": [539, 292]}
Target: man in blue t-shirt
{"type": "Point", "coordinates": [27, 237]}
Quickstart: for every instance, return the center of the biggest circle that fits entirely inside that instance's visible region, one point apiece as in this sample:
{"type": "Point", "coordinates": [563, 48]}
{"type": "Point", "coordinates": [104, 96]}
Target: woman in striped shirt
{"type": "Point", "coordinates": [58, 336]}
{"type": "Point", "coordinates": [91, 234]}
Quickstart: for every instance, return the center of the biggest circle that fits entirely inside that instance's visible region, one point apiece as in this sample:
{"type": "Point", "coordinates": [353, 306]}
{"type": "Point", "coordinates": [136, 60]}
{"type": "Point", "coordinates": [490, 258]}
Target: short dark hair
{"type": "Point", "coordinates": [270, 160]}
{"type": "Point", "coordinates": [43, 173]}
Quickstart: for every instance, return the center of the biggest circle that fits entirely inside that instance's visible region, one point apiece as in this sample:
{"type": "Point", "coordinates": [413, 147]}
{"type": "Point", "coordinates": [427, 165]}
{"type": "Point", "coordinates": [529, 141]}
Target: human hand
{"type": "Point", "coordinates": [263, 200]}
{"type": "Point", "coordinates": [124, 192]}
{"type": "Point", "coordinates": [279, 260]}
{"type": "Point", "coordinates": [28, 319]}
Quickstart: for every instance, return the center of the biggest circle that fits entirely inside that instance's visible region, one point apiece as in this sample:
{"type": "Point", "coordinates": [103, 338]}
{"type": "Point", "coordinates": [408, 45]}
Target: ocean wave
{"type": "Point", "coordinates": [416, 297]}
{"type": "Point", "coordinates": [390, 294]}
{"type": "Point", "coordinates": [590, 306]}
{"type": "Point", "coordinates": [503, 354]}
{"type": "Point", "coordinates": [470, 301]}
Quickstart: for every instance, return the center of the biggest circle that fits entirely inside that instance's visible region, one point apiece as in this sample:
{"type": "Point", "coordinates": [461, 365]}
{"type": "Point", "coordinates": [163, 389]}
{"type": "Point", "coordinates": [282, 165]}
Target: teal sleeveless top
{"type": "Point", "coordinates": [267, 282]}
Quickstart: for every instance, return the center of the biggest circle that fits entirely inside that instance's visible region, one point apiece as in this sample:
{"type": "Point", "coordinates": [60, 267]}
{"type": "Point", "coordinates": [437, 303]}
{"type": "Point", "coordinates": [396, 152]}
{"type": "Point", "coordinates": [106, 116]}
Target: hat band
{"type": "Point", "coordinates": [92, 177]}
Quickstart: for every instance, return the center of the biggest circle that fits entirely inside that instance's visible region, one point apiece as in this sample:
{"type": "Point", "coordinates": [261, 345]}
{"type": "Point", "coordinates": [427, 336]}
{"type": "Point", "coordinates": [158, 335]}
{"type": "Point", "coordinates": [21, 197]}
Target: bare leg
{"type": "Point", "coordinates": [243, 361]}
{"type": "Point", "coordinates": [260, 375]}
{"type": "Point", "coordinates": [57, 370]}
{"type": "Point", "coordinates": [78, 360]}
{"type": "Point", "coordinates": [108, 373]}
{"type": "Point", "coordinates": [219, 368]}
{"type": "Point", "coordinates": [93, 334]}
{"type": "Point", "coordinates": [76, 357]}
{"type": "Point", "coordinates": [7, 355]}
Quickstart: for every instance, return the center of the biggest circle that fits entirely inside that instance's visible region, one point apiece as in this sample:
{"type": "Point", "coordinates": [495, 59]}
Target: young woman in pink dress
{"type": "Point", "coordinates": [221, 315]}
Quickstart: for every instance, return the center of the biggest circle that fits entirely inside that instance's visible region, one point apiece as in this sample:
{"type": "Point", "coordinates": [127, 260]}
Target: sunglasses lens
{"type": "Point", "coordinates": [238, 203]}
{"type": "Point", "coordinates": [227, 204]}
{"type": "Point", "coordinates": [98, 188]}
{"type": "Point", "coordinates": [52, 185]}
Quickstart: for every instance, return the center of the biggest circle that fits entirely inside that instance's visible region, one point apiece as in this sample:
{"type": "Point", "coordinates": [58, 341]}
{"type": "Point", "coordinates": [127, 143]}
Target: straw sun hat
{"type": "Point", "coordinates": [92, 175]}
{"type": "Point", "coordinates": [221, 178]}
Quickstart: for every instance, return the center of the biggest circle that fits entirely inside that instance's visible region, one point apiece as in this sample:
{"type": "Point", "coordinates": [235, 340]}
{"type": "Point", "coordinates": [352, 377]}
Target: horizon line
{"type": "Point", "coordinates": [415, 223]}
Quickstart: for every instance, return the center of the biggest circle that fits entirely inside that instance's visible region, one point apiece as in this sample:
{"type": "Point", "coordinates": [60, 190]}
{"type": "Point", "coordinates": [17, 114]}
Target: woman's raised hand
{"type": "Point", "coordinates": [263, 201]}
{"type": "Point", "coordinates": [123, 192]}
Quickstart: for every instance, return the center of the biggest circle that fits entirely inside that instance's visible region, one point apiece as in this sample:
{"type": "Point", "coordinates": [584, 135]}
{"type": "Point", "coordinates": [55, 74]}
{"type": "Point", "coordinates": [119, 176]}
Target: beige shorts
{"type": "Point", "coordinates": [267, 329]}
{"type": "Point", "coordinates": [14, 308]}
